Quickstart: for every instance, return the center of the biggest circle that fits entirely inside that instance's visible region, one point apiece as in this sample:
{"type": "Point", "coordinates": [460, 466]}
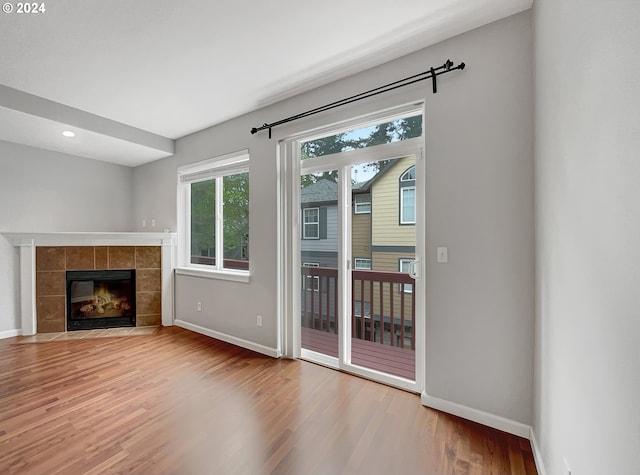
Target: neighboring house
{"type": "Point", "coordinates": [319, 224]}
{"type": "Point", "coordinates": [393, 233]}
{"type": "Point", "coordinates": [383, 220]}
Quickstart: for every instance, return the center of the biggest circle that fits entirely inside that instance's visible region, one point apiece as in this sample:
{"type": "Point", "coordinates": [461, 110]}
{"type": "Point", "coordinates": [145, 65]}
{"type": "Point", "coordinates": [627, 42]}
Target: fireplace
{"type": "Point", "coordinates": [101, 299]}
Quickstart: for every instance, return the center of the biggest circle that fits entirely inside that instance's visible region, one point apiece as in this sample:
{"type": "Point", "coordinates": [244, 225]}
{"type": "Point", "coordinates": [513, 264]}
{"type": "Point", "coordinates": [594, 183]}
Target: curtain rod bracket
{"type": "Point", "coordinates": [433, 80]}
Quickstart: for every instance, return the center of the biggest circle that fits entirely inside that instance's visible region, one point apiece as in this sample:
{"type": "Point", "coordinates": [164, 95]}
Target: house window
{"type": "Point", "coordinates": [214, 220]}
{"type": "Point", "coordinates": [362, 263]}
{"type": "Point", "coordinates": [404, 266]}
{"type": "Point", "coordinates": [311, 282]}
{"type": "Point", "coordinates": [311, 223]}
{"type": "Point", "coordinates": [409, 175]}
{"type": "Point", "coordinates": [407, 205]}
{"type": "Point", "coordinates": [362, 204]}
{"type": "Point", "coordinates": [408, 196]}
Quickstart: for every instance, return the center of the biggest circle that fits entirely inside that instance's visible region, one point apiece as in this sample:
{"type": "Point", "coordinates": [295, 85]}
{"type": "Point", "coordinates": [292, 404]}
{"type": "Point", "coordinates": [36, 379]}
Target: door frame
{"type": "Point", "coordinates": [289, 262]}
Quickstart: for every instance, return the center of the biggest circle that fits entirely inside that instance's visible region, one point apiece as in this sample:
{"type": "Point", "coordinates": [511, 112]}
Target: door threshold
{"type": "Point", "coordinates": [319, 358]}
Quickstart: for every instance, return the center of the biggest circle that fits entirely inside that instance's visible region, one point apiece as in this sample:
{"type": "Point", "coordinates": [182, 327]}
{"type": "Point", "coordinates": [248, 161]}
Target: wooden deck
{"type": "Point", "coordinates": [319, 341]}
{"type": "Point", "coordinates": [383, 317]}
{"type": "Point", "coordinates": [388, 359]}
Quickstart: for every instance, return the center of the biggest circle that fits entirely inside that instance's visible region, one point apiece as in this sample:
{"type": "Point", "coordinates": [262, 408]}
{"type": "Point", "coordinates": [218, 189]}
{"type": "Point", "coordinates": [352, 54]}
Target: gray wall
{"type": "Point", "coordinates": [43, 191]}
{"type": "Point", "coordinates": [479, 149]}
{"type": "Point", "coordinates": [587, 384]}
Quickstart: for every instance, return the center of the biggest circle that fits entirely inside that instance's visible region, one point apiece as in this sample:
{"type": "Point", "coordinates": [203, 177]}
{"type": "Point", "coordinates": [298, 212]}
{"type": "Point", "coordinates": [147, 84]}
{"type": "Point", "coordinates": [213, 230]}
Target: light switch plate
{"type": "Point", "coordinates": [442, 254]}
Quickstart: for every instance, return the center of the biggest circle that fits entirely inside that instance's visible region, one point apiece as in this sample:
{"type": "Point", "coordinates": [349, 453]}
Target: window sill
{"type": "Point", "coordinates": [229, 275]}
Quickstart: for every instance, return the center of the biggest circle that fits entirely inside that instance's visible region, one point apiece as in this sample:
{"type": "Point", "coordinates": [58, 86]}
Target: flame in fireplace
{"type": "Point", "coordinates": [102, 295]}
{"type": "Point", "coordinates": [103, 300]}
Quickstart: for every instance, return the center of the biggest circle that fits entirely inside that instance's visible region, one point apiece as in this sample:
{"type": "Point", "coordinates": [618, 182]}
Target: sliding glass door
{"type": "Point", "coordinates": [357, 266]}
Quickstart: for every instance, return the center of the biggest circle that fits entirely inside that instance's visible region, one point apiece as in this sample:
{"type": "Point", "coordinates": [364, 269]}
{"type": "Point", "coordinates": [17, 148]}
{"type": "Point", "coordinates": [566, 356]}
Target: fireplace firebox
{"type": "Point", "coordinates": [101, 299]}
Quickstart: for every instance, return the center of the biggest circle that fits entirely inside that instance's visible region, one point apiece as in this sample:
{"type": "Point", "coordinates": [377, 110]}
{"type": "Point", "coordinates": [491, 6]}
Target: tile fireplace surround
{"type": "Point", "coordinates": [45, 258]}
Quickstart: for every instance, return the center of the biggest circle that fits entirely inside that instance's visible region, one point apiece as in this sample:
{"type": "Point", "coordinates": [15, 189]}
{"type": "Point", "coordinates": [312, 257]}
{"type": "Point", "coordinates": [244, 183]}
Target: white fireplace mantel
{"type": "Point", "coordinates": [27, 242]}
{"type": "Point", "coordinates": [90, 239]}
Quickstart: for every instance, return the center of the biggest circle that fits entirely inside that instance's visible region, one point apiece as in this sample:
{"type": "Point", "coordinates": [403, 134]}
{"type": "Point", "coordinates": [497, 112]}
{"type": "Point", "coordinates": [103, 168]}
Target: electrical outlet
{"type": "Point", "coordinates": [144, 223]}
{"type": "Point", "coordinates": [153, 223]}
{"type": "Point", "coordinates": [259, 320]}
{"type": "Point", "coordinates": [199, 306]}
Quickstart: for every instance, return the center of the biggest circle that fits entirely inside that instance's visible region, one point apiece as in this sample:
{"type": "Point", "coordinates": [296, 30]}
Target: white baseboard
{"type": "Point", "coordinates": [537, 455]}
{"type": "Point", "coordinates": [475, 415]}
{"type": "Point", "coordinates": [249, 345]}
{"type": "Point", "coordinates": [10, 333]}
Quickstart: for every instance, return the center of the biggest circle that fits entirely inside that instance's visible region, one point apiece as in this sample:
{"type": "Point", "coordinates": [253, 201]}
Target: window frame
{"type": "Point", "coordinates": [409, 174]}
{"type": "Point", "coordinates": [214, 168]}
{"type": "Point", "coordinates": [305, 223]}
{"type": "Point", "coordinates": [357, 204]}
{"type": "Point", "coordinates": [407, 182]}
{"type": "Point", "coordinates": [358, 260]}
{"type": "Point", "coordinates": [402, 201]}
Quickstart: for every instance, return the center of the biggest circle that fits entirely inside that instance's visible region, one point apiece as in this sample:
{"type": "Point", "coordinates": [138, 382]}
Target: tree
{"type": "Point", "coordinates": [203, 217]}
{"type": "Point", "coordinates": [236, 216]}
{"type": "Point", "coordinates": [386, 132]}
{"type": "Point", "coordinates": [235, 195]}
{"type": "Point", "coordinates": [325, 146]}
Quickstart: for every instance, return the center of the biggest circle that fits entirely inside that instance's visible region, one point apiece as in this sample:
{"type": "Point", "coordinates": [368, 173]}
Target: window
{"type": "Point", "coordinates": [407, 206]}
{"type": "Point", "coordinates": [214, 221]}
{"type": "Point", "coordinates": [404, 266]}
{"type": "Point", "coordinates": [409, 175]}
{"type": "Point", "coordinates": [311, 223]}
{"type": "Point", "coordinates": [309, 279]}
{"type": "Point", "coordinates": [362, 263]}
{"type": "Point", "coordinates": [408, 196]}
{"type": "Point", "coordinates": [362, 204]}
{"type": "Point", "coordinates": [377, 133]}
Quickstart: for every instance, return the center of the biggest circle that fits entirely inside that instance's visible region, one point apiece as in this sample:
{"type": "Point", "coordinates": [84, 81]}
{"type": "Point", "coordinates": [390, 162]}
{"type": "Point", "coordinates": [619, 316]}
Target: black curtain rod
{"type": "Point", "coordinates": [432, 74]}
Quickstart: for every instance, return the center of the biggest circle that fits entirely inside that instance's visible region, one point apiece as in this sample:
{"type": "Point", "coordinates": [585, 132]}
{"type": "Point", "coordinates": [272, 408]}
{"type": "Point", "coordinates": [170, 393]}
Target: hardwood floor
{"type": "Point", "coordinates": [181, 403]}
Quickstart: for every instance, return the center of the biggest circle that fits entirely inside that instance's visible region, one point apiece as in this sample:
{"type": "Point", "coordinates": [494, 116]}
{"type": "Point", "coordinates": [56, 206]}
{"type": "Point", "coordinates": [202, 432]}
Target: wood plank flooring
{"type": "Point", "coordinates": [181, 403]}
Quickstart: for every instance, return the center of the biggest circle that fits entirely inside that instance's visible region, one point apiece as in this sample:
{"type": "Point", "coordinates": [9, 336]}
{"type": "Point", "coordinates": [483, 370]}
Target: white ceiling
{"type": "Point", "coordinates": [127, 76]}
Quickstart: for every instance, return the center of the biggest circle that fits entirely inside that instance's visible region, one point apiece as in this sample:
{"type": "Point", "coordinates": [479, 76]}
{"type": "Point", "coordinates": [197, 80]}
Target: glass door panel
{"type": "Point", "coordinates": [319, 265]}
{"type": "Point", "coordinates": [360, 225]}
{"type": "Point", "coordinates": [383, 250]}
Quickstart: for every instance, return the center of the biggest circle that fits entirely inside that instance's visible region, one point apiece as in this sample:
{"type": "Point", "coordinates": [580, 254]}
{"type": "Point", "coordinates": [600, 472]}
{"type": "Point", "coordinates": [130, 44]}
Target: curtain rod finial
{"type": "Point", "coordinates": [461, 66]}
{"type": "Point", "coordinates": [254, 131]}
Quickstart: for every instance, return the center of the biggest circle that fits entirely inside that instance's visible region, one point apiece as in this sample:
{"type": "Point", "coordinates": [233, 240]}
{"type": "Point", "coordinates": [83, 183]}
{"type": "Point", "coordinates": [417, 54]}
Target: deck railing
{"type": "Point", "coordinates": [319, 298]}
{"type": "Point", "coordinates": [382, 305]}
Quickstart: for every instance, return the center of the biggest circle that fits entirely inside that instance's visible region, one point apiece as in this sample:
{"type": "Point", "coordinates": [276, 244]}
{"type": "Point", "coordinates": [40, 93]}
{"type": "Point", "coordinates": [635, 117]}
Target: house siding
{"type": "Point", "coordinates": [361, 236]}
{"type": "Point", "coordinates": [385, 202]}
{"type": "Point", "coordinates": [331, 241]}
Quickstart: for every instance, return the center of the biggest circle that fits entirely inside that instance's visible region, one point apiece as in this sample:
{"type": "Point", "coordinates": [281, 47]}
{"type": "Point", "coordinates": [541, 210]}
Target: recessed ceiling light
{"type": "Point", "coordinates": [68, 133]}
